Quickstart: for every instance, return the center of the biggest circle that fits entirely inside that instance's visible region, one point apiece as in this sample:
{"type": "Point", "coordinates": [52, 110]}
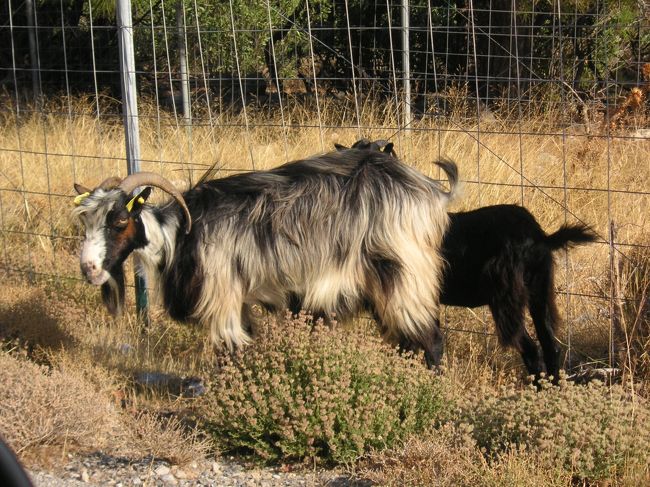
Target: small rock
{"type": "Point", "coordinates": [169, 479]}
{"type": "Point", "coordinates": [136, 481]}
{"type": "Point", "coordinates": [84, 476]}
{"type": "Point", "coordinates": [216, 468]}
{"type": "Point", "coordinates": [162, 471]}
{"type": "Point", "coordinates": [180, 474]}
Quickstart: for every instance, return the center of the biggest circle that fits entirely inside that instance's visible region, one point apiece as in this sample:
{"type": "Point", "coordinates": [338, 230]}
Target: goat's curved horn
{"type": "Point", "coordinates": [152, 179]}
{"type": "Point", "coordinates": [81, 189]}
{"type": "Point", "coordinates": [110, 183]}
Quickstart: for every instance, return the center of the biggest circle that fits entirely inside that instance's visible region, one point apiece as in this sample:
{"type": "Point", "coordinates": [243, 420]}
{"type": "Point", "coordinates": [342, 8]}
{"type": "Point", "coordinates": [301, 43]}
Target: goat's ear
{"type": "Point", "coordinates": [81, 189]}
{"type": "Point", "coordinates": [135, 204]}
{"type": "Point", "coordinates": [113, 291]}
{"type": "Point", "coordinates": [340, 147]}
{"type": "Point", "coordinates": [388, 149]}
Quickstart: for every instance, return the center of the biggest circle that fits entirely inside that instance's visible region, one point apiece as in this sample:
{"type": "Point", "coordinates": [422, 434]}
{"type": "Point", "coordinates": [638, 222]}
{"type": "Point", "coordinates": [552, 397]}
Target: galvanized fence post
{"type": "Point", "coordinates": [130, 117]}
{"type": "Point", "coordinates": [406, 62]}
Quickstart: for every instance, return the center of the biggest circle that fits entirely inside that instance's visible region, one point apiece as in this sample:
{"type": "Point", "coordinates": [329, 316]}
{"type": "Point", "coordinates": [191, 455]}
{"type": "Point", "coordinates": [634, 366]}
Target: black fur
{"type": "Point", "coordinates": [499, 256]}
{"type": "Point", "coordinates": [113, 295]}
{"type": "Point", "coordinates": [120, 244]}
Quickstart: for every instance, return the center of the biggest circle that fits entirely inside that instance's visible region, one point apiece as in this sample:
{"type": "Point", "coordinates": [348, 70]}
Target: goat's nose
{"type": "Point", "coordinates": [88, 267]}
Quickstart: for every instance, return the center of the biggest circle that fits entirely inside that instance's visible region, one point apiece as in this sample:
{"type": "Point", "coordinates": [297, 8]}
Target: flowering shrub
{"type": "Point", "coordinates": [449, 457]}
{"type": "Point", "coordinates": [594, 431]}
{"type": "Point", "coordinates": [307, 391]}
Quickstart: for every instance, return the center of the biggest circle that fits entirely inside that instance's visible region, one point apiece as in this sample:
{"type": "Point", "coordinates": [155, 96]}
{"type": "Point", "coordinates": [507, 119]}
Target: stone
{"type": "Point", "coordinates": [169, 479]}
{"type": "Point", "coordinates": [180, 474]}
{"type": "Point", "coordinates": [162, 471]}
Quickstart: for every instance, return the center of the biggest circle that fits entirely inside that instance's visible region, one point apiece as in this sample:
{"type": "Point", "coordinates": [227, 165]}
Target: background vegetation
{"type": "Point", "coordinates": [304, 393]}
{"type": "Point", "coordinates": [327, 396]}
{"type": "Point", "coordinates": [594, 47]}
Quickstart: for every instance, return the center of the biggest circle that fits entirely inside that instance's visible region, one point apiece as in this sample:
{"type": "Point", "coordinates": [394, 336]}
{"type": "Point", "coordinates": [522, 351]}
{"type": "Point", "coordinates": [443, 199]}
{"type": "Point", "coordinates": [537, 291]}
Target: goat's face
{"type": "Point", "coordinates": [113, 229]}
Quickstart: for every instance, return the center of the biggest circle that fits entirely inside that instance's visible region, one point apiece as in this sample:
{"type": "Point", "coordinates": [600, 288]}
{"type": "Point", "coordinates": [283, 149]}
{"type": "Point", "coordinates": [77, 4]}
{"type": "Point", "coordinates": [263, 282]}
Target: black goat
{"type": "Point", "coordinates": [499, 256]}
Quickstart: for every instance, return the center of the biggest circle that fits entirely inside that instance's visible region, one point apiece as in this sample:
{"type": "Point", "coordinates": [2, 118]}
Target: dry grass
{"type": "Point", "coordinates": [82, 397]}
{"type": "Point", "coordinates": [633, 307]}
{"type": "Point", "coordinates": [60, 319]}
{"type": "Point", "coordinates": [73, 407]}
{"type": "Point", "coordinates": [448, 458]}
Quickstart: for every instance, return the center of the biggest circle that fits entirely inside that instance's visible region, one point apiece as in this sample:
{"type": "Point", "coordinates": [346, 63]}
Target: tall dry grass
{"type": "Point", "coordinates": [556, 174]}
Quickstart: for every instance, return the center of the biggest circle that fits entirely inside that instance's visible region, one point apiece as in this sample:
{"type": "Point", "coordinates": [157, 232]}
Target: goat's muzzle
{"type": "Point", "coordinates": [93, 274]}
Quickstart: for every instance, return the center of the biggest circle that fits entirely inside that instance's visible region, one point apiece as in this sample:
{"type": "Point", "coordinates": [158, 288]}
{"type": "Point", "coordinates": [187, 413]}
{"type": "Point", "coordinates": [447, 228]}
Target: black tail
{"type": "Point", "coordinates": [570, 235]}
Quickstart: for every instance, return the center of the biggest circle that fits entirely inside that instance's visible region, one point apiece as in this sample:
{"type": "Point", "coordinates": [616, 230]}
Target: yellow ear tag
{"type": "Point", "coordinates": [129, 205]}
{"type": "Point", "coordinates": [78, 199]}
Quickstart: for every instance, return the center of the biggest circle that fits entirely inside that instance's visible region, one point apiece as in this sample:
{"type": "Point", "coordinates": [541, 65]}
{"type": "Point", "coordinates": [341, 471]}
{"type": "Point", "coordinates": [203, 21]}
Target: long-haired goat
{"type": "Point", "coordinates": [341, 231]}
{"type": "Point", "coordinates": [499, 256]}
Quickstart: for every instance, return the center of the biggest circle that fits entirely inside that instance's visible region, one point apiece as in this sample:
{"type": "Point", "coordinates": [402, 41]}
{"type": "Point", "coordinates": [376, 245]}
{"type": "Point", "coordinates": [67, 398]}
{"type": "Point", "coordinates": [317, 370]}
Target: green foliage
{"type": "Point", "coordinates": [305, 391]}
{"type": "Point", "coordinates": [594, 431]}
{"type": "Point", "coordinates": [253, 23]}
{"type": "Point", "coordinates": [612, 37]}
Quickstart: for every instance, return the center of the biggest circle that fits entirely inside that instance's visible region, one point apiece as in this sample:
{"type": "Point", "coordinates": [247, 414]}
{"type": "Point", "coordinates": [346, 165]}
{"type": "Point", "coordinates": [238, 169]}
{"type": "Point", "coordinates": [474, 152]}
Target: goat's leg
{"type": "Point", "coordinates": [508, 312]}
{"type": "Point", "coordinates": [404, 297]}
{"type": "Point", "coordinates": [530, 355]}
{"type": "Point", "coordinates": [223, 316]}
{"type": "Point", "coordinates": [249, 321]}
{"type": "Point", "coordinates": [432, 344]}
{"type": "Point", "coordinates": [545, 317]}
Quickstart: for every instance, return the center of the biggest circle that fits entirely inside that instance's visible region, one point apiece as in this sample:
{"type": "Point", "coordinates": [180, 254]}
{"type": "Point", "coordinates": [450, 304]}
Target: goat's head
{"type": "Point", "coordinates": [111, 214]}
{"type": "Point", "coordinates": [379, 145]}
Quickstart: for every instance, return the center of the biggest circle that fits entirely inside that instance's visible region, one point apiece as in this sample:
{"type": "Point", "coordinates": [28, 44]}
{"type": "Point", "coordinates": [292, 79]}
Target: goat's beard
{"type": "Point", "coordinates": [99, 279]}
{"type": "Point", "coordinates": [113, 290]}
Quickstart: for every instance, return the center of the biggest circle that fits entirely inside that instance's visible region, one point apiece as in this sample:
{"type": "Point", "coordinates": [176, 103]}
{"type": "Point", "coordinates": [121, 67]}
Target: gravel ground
{"type": "Point", "coordinates": [102, 470]}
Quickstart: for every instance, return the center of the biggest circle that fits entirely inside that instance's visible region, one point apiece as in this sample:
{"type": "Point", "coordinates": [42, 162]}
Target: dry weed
{"type": "Point", "coordinates": [448, 457]}
{"type": "Point", "coordinates": [42, 406]}
{"type": "Point", "coordinates": [166, 438]}
{"type": "Point", "coordinates": [595, 432]}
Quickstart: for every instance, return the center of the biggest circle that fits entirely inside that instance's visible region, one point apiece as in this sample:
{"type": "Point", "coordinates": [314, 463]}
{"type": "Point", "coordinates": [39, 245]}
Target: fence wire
{"type": "Point", "coordinates": [541, 103]}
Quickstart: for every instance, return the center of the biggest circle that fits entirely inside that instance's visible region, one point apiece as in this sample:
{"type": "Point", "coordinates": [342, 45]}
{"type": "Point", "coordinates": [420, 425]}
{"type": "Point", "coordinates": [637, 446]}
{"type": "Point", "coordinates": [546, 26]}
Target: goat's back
{"type": "Point", "coordinates": [336, 230]}
{"type": "Point", "coordinates": [480, 241]}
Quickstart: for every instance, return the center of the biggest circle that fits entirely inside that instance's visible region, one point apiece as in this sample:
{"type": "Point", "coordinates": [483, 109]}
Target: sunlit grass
{"type": "Point", "coordinates": [558, 176]}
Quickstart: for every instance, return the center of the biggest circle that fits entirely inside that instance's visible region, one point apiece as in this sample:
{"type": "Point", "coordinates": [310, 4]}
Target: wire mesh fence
{"type": "Point", "coordinates": [541, 103]}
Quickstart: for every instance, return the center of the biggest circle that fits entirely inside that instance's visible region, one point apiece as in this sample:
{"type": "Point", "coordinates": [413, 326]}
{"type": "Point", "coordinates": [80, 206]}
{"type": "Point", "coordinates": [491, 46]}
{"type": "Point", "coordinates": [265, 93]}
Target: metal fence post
{"type": "Point", "coordinates": [130, 117]}
{"type": "Point", "coordinates": [406, 62]}
{"type": "Point", "coordinates": [182, 54]}
{"type": "Point", "coordinates": [33, 50]}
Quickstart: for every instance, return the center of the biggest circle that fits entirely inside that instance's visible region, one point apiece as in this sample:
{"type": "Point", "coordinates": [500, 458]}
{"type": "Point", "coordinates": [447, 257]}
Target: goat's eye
{"type": "Point", "coordinates": [121, 222]}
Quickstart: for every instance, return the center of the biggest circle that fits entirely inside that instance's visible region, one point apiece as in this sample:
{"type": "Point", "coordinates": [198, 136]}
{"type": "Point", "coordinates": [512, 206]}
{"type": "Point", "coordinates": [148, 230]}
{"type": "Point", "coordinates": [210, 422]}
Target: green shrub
{"type": "Point", "coordinates": [306, 391]}
{"type": "Point", "coordinates": [594, 431]}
